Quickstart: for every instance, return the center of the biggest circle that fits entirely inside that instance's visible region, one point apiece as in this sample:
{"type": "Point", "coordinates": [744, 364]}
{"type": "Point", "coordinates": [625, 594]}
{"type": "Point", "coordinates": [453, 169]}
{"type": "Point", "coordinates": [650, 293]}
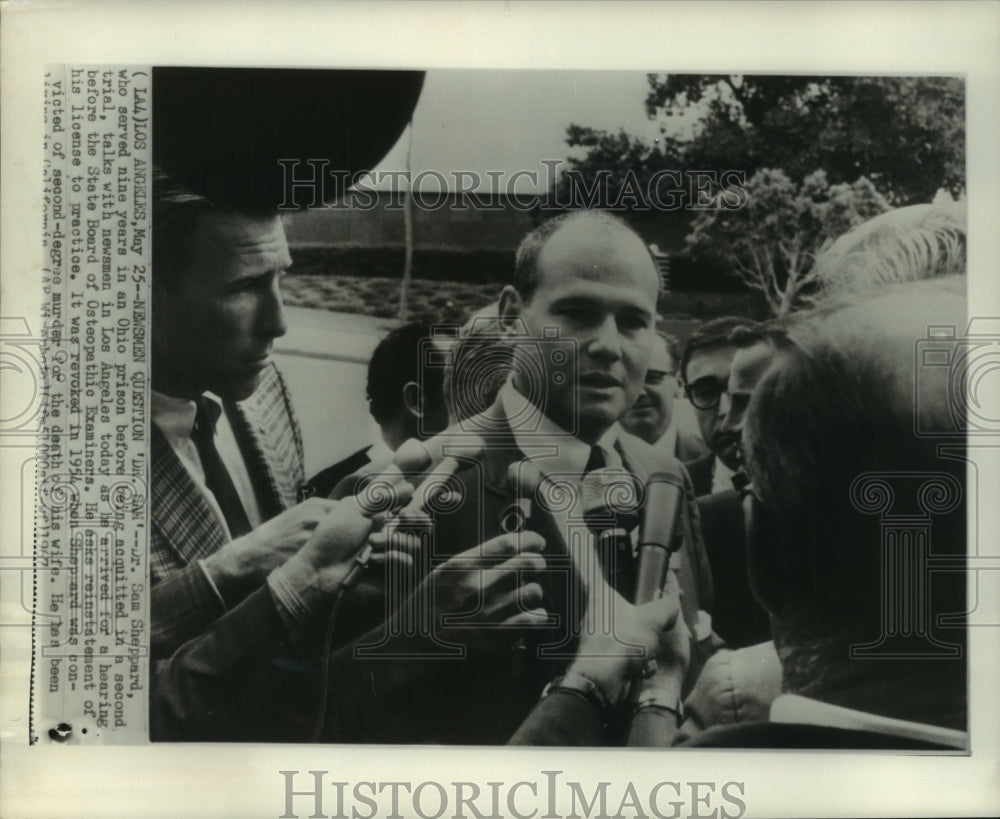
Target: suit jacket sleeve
{"type": "Point", "coordinates": [203, 691]}
{"type": "Point", "coordinates": [562, 719]}
{"type": "Point", "coordinates": [185, 605]}
{"type": "Point", "coordinates": [248, 678]}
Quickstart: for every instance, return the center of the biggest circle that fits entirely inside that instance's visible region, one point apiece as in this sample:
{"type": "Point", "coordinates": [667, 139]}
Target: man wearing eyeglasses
{"type": "Point", "coordinates": [652, 417]}
{"type": "Point", "coordinates": [705, 367]}
{"type": "Point", "coordinates": [846, 674]}
{"type": "Point", "coordinates": [722, 362]}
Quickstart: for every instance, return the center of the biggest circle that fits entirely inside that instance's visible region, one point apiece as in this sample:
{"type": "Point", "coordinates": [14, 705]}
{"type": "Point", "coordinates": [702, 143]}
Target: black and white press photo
{"type": "Point", "coordinates": [626, 445]}
{"type": "Point", "coordinates": [499, 409]}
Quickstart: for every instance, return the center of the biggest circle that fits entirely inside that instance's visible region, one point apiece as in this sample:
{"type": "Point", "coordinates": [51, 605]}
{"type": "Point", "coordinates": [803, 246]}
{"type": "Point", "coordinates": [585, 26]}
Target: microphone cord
{"type": "Point", "coordinates": [360, 564]}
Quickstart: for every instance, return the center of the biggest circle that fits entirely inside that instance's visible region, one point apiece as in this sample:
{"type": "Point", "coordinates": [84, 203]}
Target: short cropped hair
{"type": "Point", "coordinates": [838, 405]}
{"type": "Point", "coordinates": [176, 212]}
{"type": "Point", "coordinates": [906, 244]}
{"type": "Point", "coordinates": [768, 332]}
{"type": "Point", "coordinates": [673, 348]}
{"type": "Point", "coordinates": [395, 361]}
{"type": "Point", "coordinates": [716, 331]}
{"type": "Point", "coordinates": [526, 274]}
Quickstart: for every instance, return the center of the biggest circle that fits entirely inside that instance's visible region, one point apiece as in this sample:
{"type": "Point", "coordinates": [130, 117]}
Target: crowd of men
{"type": "Point", "coordinates": [458, 584]}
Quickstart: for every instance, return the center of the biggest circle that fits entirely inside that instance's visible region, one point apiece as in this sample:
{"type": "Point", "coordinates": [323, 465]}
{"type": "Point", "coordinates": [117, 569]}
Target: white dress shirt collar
{"type": "Point", "coordinates": [667, 442]}
{"type": "Point", "coordinates": [173, 416]}
{"type": "Point", "coordinates": [548, 444]}
{"type": "Point", "coordinates": [791, 708]}
{"type": "Point", "coordinates": [722, 476]}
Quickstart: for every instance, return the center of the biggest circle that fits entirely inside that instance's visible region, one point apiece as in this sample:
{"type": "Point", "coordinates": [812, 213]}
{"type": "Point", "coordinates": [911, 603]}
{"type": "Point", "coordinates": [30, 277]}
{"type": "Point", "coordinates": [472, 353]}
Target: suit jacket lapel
{"type": "Point", "coordinates": [178, 509]}
{"type": "Point", "coordinates": [265, 428]}
{"type": "Point", "coordinates": [258, 452]}
{"type": "Point", "coordinates": [501, 449]}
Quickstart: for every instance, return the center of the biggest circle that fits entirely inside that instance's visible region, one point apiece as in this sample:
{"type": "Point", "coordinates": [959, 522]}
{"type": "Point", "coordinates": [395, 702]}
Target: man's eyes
{"type": "Point", "coordinates": [588, 316]}
{"type": "Point", "coordinates": [633, 322]}
{"type": "Point", "coordinates": [254, 282]}
{"type": "Point", "coordinates": [580, 315]}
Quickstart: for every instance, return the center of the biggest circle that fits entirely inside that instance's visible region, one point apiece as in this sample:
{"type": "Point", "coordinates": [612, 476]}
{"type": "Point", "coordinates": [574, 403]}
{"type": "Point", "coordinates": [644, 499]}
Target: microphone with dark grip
{"type": "Point", "coordinates": [610, 501]}
{"type": "Point", "coordinates": [660, 534]}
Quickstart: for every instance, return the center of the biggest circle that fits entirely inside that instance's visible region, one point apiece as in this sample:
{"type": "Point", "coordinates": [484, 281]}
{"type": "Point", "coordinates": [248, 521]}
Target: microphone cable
{"type": "Point", "coordinates": [353, 576]}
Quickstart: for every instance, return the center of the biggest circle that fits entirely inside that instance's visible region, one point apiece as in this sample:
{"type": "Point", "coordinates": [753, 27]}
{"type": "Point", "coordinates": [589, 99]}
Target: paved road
{"type": "Point", "coordinates": [324, 357]}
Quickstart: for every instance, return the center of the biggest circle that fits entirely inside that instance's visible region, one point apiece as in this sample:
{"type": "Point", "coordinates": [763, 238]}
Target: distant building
{"type": "Point", "coordinates": [450, 224]}
{"type": "Point", "coordinates": [456, 221]}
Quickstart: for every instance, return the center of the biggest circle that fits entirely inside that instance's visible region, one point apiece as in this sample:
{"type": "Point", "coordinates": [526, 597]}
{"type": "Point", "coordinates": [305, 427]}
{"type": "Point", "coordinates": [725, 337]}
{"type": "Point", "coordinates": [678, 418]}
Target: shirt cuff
{"type": "Point", "coordinates": [287, 600]}
{"type": "Point", "coordinates": [296, 594]}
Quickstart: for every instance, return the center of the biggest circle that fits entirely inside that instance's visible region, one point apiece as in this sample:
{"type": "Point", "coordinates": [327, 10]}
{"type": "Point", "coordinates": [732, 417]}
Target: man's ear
{"type": "Point", "coordinates": [509, 309]}
{"type": "Point", "coordinates": [412, 399]}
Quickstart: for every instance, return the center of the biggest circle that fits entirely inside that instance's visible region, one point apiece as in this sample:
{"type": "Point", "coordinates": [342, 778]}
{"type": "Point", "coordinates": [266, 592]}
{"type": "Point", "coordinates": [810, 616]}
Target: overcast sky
{"type": "Point", "coordinates": [502, 120]}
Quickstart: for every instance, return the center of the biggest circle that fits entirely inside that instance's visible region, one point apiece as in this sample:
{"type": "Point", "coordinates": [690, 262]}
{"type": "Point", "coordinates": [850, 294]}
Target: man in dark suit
{"type": "Point", "coordinates": [580, 316]}
{"type": "Point", "coordinates": [244, 577]}
{"type": "Point", "coordinates": [652, 416]}
{"type": "Point", "coordinates": [405, 399]}
{"type": "Point", "coordinates": [705, 366]}
{"type": "Point", "coordinates": [738, 618]}
{"type": "Point", "coordinates": [857, 538]}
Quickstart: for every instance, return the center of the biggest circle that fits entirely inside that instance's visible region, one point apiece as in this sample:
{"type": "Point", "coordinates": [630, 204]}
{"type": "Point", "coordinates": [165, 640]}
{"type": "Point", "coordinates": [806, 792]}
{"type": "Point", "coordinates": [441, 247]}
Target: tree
{"type": "Point", "coordinates": [905, 134]}
{"type": "Point", "coordinates": [880, 142]}
{"type": "Point", "coordinates": [614, 170]}
{"type": "Point", "coordinates": [771, 243]}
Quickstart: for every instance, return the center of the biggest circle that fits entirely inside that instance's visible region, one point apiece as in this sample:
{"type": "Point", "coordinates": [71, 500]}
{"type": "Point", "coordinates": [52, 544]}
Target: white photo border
{"type": "Point", "coordinates": [816, 38]}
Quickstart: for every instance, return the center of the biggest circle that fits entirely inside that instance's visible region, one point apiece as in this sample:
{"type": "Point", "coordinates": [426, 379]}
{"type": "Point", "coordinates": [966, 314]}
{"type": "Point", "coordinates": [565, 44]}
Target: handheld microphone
{"type": "Point", "coordinates": [610, 500]}
{"type": "Point", "coordinates": [659, 537]}
{"type": "Point", "coordinates": [523, 479]}
{"type": "Point", "coordinates": [438, 458]}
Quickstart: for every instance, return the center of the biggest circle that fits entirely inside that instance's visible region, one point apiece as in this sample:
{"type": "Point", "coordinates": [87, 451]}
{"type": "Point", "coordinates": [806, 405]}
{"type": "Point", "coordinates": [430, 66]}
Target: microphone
{"type": "Point", "coordinates": [523, 480]}
{"type": "Point", "coordinates": [610, 510]}
{"type": "Point", "coordinates": [659, 537]}
{"type": "Point", "coordinates": [609, 499]}
{"type": "Point", "coordinates": [438, 458]}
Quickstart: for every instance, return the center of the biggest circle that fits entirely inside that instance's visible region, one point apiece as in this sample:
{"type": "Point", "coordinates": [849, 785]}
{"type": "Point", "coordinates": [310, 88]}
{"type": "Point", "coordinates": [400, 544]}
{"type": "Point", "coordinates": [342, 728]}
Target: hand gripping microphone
{"type": "Point", "coordinates": [660, 535]}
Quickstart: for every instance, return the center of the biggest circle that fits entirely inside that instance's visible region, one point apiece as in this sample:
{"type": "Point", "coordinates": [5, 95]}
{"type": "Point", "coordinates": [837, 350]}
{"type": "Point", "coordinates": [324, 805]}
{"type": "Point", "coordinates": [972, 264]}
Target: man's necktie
{"type": "Point", "coordinates": [216, 475]}
{"type": "Point", "coordinates": [610, 525]}
{"type": "Point", "coordinates": [596, 460]}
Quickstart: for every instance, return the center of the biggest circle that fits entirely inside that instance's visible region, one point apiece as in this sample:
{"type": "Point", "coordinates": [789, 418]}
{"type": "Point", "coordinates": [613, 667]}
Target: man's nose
{"type": "Point", "coordinates": [606, 343]}
{"type": "Point", "coordinates": [725, 409]}
{"type": "Point", "coordinates": [272, 312]}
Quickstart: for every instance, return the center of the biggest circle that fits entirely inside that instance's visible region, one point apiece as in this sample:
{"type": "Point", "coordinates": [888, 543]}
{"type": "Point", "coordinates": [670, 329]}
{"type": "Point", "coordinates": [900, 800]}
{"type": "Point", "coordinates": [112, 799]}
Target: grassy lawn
{"type": "Point", "coordinates": [441, 301]}
{"type": "Point", "coordinates": [450, 301]}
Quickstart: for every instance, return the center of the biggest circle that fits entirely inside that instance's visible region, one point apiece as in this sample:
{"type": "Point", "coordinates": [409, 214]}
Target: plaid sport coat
{"type": "Point", "coordinates": [183, 527]}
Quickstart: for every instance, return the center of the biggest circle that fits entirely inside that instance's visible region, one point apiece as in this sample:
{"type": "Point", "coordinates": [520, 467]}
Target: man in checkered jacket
{"type": "Point", "coordinates": [235, 560]}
